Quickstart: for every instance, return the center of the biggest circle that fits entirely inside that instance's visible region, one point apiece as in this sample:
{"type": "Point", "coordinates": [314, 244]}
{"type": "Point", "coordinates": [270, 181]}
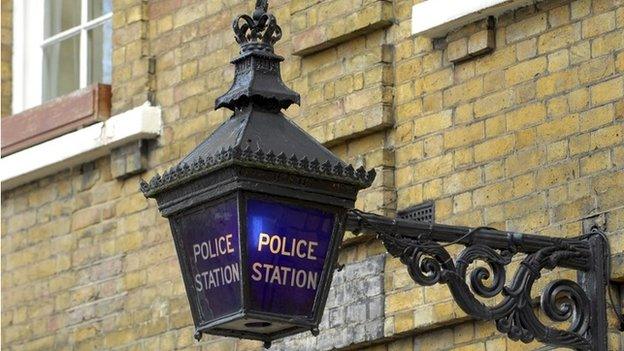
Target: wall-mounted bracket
{"type": "Point", "coordinates": [422, 248]}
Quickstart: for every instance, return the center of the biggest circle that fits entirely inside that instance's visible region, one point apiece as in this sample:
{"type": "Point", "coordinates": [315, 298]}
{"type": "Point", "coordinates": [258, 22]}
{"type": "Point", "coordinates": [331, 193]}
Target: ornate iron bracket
{"type": "Point", "coordinates": [581, 304]}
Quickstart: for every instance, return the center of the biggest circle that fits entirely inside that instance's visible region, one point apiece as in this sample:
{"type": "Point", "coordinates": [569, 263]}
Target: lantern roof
{"type": "Point", "coordinates": [258, 134]}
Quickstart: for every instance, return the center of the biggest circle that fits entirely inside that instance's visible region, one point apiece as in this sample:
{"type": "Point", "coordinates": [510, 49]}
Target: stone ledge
{"type": "Point", "coordinates": [338, 28]}
{"type": "Point", "coordinates": [84, 145]}
{"type": "Point", "coordinates": [435, 18]}
{"type": "Point", "coordinates": [376, 118]}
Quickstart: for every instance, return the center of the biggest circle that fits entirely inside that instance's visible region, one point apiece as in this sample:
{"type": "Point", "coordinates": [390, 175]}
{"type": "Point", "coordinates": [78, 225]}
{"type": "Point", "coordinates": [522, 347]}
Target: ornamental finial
{"type": "Point", "coordinates": [257, 79]}
{"type": "Point", "coordinates": [259, 31]}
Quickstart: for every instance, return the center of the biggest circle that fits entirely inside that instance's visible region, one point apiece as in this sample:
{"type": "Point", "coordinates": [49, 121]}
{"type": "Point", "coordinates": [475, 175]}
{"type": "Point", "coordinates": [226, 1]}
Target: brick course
{"type": "Point", "coordinates": [529, 137]}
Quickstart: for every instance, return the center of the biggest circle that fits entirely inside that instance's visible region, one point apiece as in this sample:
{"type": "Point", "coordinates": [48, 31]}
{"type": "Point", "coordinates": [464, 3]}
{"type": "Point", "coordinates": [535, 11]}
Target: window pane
{"type": "Point", "coordinates": [100, 54]}
{"type": "Point", "coordinates": [60, 15]}
{"type": "Point", "coordinates": [61, 68]}
{"type": "Point", "coordinates": [99, 8]}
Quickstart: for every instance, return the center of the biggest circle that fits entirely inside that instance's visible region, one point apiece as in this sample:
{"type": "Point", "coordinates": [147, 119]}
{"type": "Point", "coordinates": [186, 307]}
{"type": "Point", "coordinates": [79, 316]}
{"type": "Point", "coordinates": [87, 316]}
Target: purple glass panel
{"type": "Point", "coordinates": [287, 246]}
{"type": "Point", "coordinates": [210, 240]}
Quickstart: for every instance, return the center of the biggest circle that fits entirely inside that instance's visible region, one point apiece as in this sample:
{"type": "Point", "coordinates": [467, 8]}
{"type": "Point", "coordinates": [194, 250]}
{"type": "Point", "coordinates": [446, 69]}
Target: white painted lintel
{"type": "Point", "coordinates": [436, 18]}
{"type": "Point", "coordinates": [84, 145]}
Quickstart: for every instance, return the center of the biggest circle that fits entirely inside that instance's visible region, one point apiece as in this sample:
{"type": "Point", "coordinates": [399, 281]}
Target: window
{"type": "Point", "coordinates": [60, 47]}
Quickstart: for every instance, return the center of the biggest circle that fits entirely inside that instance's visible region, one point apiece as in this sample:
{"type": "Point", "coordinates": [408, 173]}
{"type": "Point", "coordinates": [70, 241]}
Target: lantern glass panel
{"type": "Point", "coordinates": [287, 245]}
{"type": "Point", "coordinates": [209, 238]}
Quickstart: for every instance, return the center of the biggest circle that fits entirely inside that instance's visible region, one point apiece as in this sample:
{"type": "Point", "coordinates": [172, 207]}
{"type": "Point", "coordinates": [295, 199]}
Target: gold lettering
{"type": "Point", "coordinates": [256, 272]}
{"type": "Point", "coordinates": [280, 245]}
{"type": "Point", "coordinates": [301, 244]}
{"type": "Point", "coordinates": [282, 275]}
{"type": "Point", "coordinates": [230, 249]}
{"type": "Point", "coordinates": [311, 246]}
{"type": "Point", "coordinates": [275, 240]}
{"type": "Point", "coordinates": [263, 241]}
{"type": "Point", "coordinates": [222, 246]}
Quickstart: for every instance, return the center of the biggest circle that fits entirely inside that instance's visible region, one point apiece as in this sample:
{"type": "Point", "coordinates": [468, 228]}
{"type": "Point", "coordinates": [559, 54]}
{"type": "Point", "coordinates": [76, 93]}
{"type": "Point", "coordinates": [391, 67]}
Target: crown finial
{"type": "Point", "coordinates": [258, 31]}
{"type": "Point", "coordinates": [257, 79]}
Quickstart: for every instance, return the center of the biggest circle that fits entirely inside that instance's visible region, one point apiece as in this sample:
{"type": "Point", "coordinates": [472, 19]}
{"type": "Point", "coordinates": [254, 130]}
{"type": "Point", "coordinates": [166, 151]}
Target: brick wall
{"type": "Point", "coordinates": [7, 56]}
{"type": "Point", "coordinates": [529, 137]}
{"type": "Point", "coordinates": [132, 82]}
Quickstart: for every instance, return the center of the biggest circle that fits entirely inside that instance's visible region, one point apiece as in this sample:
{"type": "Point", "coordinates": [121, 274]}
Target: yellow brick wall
{"type": "Point", "coordinates": [132, 83]}
{"type": "Point", "coordinates": [529, 137]}
{"type": "Point", "coordinates": [6, 7]}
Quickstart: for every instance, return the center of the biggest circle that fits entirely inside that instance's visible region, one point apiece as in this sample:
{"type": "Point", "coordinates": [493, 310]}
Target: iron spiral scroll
{"type": "Point", "coordinates": [563, 300]}
{"type": "Point", "coordinates": [428, 263]}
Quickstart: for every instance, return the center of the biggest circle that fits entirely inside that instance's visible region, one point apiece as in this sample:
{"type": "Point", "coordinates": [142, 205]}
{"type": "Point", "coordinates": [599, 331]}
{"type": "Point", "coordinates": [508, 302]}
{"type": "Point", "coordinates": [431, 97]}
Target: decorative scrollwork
{"type": "Point", "coordinates": [425, 260]}
{"type": "Point", "coordinates": [563, 300]}
{"type": "Point", "coordinates": [260, 27]}
{"type": "Point", "coordinates": [427, 264]}
{"type": "Point", "coordinates": [496, 261]}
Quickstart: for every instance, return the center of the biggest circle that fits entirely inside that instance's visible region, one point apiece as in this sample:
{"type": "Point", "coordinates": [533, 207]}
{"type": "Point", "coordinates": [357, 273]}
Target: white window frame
{"type": "Point", "coordinates": [28, 45]}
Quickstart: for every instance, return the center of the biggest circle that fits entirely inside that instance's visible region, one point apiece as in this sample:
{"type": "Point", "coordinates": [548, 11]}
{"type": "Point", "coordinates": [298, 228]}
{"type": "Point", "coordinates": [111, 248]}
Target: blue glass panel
{"type": "Point", "coordinates": [287, 246]}
{"type": "Point", "coordinates": [210, 240]}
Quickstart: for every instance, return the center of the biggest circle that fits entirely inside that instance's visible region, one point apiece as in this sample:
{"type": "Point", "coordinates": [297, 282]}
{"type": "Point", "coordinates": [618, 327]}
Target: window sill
{"type": "Point", "coordinates": [84, 145]}
{"type": "Point", "coordinates": [435, 18]}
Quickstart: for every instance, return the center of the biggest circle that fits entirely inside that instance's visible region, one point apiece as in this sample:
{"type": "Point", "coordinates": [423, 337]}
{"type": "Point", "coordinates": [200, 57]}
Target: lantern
{"type": "Point", "coordinates": [258, 209]}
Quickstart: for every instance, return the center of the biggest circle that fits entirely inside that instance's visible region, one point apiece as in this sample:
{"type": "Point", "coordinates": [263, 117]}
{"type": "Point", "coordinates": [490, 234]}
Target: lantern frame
{"type": "Point", "coordinates": [239, 176]}
{"type": "Point", "coordinates": [246, 312]}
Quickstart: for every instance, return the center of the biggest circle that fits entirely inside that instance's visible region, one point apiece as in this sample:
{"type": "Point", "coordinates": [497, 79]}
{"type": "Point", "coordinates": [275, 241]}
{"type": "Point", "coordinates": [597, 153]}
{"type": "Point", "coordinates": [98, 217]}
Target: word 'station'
{"type": "Point", "coordinates": [284, 275]}
{"type": "Point", "coordinates": [213, 250]}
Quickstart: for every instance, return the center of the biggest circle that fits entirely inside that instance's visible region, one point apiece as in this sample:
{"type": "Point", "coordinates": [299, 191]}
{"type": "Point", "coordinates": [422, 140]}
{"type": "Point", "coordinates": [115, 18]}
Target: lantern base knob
{"type": "Point", "coordinates": [315, 331]}
{"type": "Point", "coordinates": [198, 336]}
{"type": "Point", "coordinates": [267, 344]}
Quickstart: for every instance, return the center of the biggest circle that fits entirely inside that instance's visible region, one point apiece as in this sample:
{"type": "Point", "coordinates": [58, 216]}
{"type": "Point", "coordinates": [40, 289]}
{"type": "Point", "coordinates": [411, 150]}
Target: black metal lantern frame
{"type": "Point", "coordinates": [246, 322]}
{"type": "Point", "coordinates": [259, 155]}
{"type": "Point", "coordinates": [239, 174]}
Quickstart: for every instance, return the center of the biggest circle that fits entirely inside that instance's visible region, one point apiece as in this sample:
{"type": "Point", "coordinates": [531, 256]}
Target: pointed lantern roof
{"type": "Point", "coordinates": [258, 134]}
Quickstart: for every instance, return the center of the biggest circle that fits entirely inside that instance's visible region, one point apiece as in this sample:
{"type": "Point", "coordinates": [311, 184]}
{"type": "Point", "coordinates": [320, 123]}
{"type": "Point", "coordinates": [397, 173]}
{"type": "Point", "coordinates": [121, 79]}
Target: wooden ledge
{"type": "Point", "coordinates": [55, 118]}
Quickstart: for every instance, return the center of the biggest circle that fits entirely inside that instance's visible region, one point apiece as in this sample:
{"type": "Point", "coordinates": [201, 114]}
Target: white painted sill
{"type": "Point", "coordinates": [84, 145]}
{"type": "Point", "coordinates": [436, 18]}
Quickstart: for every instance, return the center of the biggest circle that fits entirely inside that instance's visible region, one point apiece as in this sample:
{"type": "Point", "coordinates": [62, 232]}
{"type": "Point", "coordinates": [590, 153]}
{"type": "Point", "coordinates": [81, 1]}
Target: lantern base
{"type": "Point", "coordinates": [265, 328]}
